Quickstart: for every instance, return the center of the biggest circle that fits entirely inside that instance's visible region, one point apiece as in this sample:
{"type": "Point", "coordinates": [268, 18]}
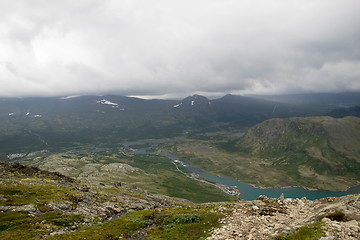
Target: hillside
{"type": "Point", "coordinates": [119, 166]}
{"type": "Point", "coordinates": [38, 204]}
{"type": "Point", "coordinates": [317, 152]}
{"type": "Point", "coordinates": [345, 99]}
{"type": "Point", "coordinates": [313, 152]}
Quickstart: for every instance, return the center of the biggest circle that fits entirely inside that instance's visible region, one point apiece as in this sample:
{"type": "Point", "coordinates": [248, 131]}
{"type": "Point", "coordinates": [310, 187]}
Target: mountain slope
{"type": "Point", "coordinates": [309, 151]}
{"type": "Point", "coordinates": [346, 99]}
{"type": "Point", "coordinates": [37, 204]}
{"type": "Point", "coordinates": [312, 152]}
{"type": "Point", "coordinates": [156, 174]}
{"type": "Point", "coordinates": [285, 219]}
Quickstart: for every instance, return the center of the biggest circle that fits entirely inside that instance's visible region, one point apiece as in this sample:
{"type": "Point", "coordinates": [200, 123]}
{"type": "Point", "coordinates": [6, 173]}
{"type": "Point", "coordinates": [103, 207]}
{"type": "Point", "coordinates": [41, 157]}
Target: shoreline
{"type": "Point", "coordinates": [284, 187]}
{"type": "Point", "coordinates": [306, 188]}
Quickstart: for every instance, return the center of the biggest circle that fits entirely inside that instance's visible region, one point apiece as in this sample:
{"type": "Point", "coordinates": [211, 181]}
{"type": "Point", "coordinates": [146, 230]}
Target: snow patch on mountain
{"type": "Point", "coordinates": [177, 105]}
{"type": "Point", "coordinates": [68, 97]}
{"type": "Point", "coordinates": [107, 102]}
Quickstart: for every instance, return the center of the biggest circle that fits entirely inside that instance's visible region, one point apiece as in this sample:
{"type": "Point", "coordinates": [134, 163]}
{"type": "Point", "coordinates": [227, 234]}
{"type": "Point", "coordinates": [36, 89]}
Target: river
{"type": "Point", "coordinates": [247, 191]}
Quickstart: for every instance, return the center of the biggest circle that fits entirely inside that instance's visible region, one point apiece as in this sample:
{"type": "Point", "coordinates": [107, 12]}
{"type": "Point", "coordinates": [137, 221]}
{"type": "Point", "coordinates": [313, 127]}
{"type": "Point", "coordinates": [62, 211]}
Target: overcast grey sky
{"type": "Point", "coordinates": [175, 48]}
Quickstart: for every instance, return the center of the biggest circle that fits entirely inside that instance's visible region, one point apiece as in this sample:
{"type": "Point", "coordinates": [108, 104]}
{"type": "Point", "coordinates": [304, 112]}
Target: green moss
{"type": "Point", "coordinates": [187, 218]}
{"type": "Point", "coordinates": [21, 225]}
{"type": "Point", "coordinates": [185, 223]}
{"type": "Point", "coordinates": [13, 220]}
{"type": "Point", "coordinates": [42, 208]}
{"type": "Point", "coordinates": [337, 216]}
{"type": "Point", "coordinates": [60, 219]}
{"type": "Point", "coordinates": [307, 232]}
{"type": "Point", "coordinates": [31, 191]}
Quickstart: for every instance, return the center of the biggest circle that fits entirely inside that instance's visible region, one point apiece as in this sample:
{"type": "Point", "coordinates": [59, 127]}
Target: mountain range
{"type": "Point", "coordinates": [34, 124]}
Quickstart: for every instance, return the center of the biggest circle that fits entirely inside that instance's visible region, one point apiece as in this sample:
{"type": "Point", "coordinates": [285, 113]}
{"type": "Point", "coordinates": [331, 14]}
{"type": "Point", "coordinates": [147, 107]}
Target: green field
{"type": "Point", "coordinates": [187, 223]}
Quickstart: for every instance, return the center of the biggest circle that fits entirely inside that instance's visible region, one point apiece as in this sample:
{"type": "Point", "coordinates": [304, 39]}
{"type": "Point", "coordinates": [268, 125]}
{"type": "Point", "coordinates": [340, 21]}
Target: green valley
{"type": "Point", "coordinates": [65, 173]}
{"type": "Point", "coordinates": [111, 168]}
{"type": "Point", "coordinates": [312, 152]}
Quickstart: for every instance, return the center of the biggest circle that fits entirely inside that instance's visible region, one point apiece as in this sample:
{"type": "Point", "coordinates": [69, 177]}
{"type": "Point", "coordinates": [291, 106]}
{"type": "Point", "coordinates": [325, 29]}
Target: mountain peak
{"type": "Point", "coordinates": [232, 97]}
{"type": "Point", "coordinates": [194, 101]}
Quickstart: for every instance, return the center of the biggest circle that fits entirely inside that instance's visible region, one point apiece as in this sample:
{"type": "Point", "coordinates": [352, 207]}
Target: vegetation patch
{"type": "Point", "coordinates": [139, 146]}
{"type": "Point", "coordinates": [337, 216]}
{"type": "Point", "coordinates": [307, 232]}
{"type": "Point", "coordinates": [33, 192]}
{"type": "Point", "coordinates": [186, 223]}
{"type": "Point", "coordinates": [21, 225]}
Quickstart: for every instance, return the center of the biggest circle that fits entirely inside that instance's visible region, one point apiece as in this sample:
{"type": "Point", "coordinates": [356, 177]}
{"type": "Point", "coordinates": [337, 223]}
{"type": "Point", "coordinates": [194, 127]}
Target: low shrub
{"type": "Point", "coordinates": [308, 232]}
{"type": "Point", "coordinates": [186, 218]}
{"type": "Point", "coordinates": [337, 216]}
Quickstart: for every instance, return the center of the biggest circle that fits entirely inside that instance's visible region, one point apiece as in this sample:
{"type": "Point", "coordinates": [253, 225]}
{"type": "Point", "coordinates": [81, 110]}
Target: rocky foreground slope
{"type": "Point", "coordinates": [37, 204]}
{"type": "Point", "coordinates": [266, 218]}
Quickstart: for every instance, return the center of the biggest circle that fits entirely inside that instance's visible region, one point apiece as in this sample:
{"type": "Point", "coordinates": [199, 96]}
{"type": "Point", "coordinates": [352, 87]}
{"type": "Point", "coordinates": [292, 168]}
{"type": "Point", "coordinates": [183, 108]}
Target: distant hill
{"type": "Point", "coordinates": [32, 124]}
{"type": "Point", "coordinates": [347, 99]}
{"type": "Point", "coordinates": [321, 152]}
{"type": "Point", "coordinates": [342, 112]}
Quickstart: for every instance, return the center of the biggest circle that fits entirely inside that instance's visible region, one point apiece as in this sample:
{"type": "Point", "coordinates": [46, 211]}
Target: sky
{"type": "Point", "coordinates": [176, 48]}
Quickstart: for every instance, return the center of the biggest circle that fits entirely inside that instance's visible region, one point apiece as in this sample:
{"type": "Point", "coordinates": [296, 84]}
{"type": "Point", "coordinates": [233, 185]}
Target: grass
{"type": "Point", "coordinates": [18, 189]}
{"type": "Point", "coordinates": [21, 225]}
{"type": "Point", "coordinates": [183, 223]}
{"type": "Point", "coordinates": [307, 232]}
{"type": "Point", "coordinates": [33, 191]}
{"type": "Point", "coordinates": [18, 225]}
{"type": "Point", "coordinates": [173, 183]}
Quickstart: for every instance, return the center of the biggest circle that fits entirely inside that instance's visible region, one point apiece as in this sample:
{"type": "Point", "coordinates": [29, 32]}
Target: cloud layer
{"type": "Point", "coordinates": [171, 48]}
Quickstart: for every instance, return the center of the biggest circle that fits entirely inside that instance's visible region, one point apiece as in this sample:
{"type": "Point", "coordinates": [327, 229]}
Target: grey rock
{"type": "Point", "coordinates": [60, 206]}
{"type": "Point", "coordinates": [25, 208]}
{"type": "Point", "coordinates": [255, 208]}
{"type": "Point", "coordinates": [2, 198]}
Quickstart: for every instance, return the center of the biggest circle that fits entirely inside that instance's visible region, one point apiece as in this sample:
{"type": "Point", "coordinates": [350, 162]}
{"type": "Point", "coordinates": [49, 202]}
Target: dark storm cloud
{"type": "Point", "coordinates": [177, 48]}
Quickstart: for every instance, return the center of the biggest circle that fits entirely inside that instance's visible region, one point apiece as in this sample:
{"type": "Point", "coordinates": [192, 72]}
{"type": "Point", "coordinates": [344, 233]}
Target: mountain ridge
{"type": "Point", "coordinates": [108, 119]}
